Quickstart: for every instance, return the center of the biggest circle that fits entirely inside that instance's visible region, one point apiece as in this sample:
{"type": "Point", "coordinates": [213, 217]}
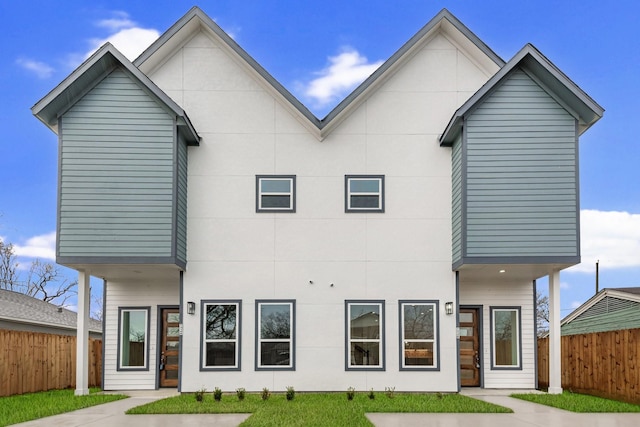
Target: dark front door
{"type": "Point", "coordinates": [469, 348]}
{"type": "Point", "coordinates": [170, 347]}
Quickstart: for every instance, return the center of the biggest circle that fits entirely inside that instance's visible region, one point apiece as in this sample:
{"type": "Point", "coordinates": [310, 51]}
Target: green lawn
{"type": "Point", "coordinates": [31, 406]}
{"type": "Point", "coordinates": [578, 402]}
{"type": "Point", "coordinates": [316, 409]}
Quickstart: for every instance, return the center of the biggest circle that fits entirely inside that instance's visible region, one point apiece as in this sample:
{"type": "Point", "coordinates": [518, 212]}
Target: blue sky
{"type": "Point", "coordinates": [320, 50]}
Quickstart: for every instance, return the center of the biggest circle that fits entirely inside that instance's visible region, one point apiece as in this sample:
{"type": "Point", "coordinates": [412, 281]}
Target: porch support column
{"type": "Point", "coordinates": [555, 371]}
{"type": "Point", "coordinates": [82, 334]}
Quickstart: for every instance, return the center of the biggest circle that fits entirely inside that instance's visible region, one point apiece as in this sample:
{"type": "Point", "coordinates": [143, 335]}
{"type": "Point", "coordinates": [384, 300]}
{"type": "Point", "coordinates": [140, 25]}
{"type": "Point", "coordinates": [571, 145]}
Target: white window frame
{"type": "Point", "coordinates": [435, 340]}
{"type": "Point", "coordinates": [205, 340]}
{"type": "Point", "coordinates": [518, 345]}
{"type": "Point", "coordinates": [348, 193]}
{"type": "Point", "coordinates": [349, 365]}
{"type": "Point", "coordinates": [291, 340]}
{"type": "Point", "coordinates": [121, 335]}
{"type": "Point", "coordinates": [291, 193]}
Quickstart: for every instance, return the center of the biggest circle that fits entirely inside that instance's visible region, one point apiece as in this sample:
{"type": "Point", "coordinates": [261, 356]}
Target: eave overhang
{"type": "Point", "coordinates": [537, 66]}
{"type": "Point", "coordinates": [90, 73]}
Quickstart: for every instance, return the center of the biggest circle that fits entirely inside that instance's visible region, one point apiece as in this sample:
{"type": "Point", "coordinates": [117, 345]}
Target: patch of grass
{"type": "Point", "coordinates": [31, 406]}
{"type": "Point", "coordinates": [318, 409]}
{"type": "Point", "coordinates": [575, 402]}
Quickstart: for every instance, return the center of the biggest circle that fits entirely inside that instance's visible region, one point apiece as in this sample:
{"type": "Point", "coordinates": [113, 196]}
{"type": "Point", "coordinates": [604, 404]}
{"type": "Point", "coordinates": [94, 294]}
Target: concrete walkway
{"type": "Point", "coordinates": [525, 414]}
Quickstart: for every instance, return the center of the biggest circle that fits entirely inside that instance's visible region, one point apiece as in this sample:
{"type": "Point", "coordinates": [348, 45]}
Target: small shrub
{"type": "Point", "coordinates": [217, 394]}
{"type": "Point", "coordinates": [265, 393]}
{"type": "Point", "coordinates": [240, 392]}
{"type": "Point", "coordinates": [351, 392]}
{"type": "Point", "coordinates": [371, 394]}
{"type": "Point", "coordinates": [291, 393]}
{"type": "Point", "coordinates": [390, 392]}
{"type": "Point", "coordinates": [200, 394]}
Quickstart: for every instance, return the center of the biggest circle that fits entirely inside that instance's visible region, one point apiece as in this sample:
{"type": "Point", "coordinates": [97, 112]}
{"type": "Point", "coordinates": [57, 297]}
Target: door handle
{"type": "Point", "coordinates": [163, 360]}
{"type": "Point", "coordinates": [477, 360]}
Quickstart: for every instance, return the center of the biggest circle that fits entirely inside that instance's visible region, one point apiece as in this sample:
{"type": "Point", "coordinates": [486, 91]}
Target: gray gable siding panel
{"type": "Point", "coordinates": [117, 174]}
{"type": "Point", "coordinates": [181, 227]}
{"type": "Point", "coordinates": [456, 200]}
{"type": "Point", "coordinates": [521, 174]}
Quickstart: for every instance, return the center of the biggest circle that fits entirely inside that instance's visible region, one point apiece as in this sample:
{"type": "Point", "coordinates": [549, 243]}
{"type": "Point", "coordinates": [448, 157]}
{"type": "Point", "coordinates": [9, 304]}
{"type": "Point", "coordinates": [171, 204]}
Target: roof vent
{"type": "Point", "coordinates": [59, 309]}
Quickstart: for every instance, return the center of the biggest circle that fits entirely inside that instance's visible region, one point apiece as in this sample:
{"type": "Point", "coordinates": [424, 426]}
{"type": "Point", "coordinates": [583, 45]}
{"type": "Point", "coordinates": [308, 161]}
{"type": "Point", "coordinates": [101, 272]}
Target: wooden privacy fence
{"type": "Point", "coordinates": [604, 364]}
{"type": "Point", "coordinates": [31, 362]}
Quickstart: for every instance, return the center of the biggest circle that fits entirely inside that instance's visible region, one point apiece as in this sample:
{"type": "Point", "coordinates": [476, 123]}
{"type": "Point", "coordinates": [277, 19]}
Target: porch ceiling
{"type": "Point", "coordinates": [130, 272]}
{"type": "Point", "coordinates": [512, 272]}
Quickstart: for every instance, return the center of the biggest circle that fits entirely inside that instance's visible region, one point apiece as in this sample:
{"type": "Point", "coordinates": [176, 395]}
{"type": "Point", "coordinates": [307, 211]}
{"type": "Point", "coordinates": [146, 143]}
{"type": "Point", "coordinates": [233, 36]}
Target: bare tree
{"type": "Point", "coordinates": [542, 313]}
{"type": "Point", "coordinates": [8, 266]}
{"type": "Point", "coordinates": [44, 280]}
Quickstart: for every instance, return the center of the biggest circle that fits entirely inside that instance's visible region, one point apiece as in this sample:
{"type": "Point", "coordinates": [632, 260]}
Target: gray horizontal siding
{"type": "Point", "coordinates": [117, 174]}
{"type": "Point", "coordinates": [456, 200]}
{"type": "Point", "coordinates": [181, 226]}
{"type": "Point", "coordinates": [521, 174]}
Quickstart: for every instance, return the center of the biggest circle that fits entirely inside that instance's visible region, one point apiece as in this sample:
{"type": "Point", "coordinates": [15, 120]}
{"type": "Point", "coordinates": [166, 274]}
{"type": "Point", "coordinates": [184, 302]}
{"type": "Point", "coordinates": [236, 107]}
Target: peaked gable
{"type": "Point", "coordinates": [196, 20]}
{"type": "Point", "coordinates": [90, 73]}
{"type": "Point", "coordinates": [546, 74]}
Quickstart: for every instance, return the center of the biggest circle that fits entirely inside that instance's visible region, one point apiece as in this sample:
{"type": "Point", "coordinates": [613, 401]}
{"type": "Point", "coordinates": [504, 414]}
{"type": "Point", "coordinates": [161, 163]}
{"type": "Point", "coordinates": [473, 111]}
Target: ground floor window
{"type": "Point", "coordinates": [365, 335]}
{"type": "Point", "coordinates": [505, 338]}
{"type": "Point", "coordinates": [133, 342]}
{"type": "Point", "coordinates": [418, 334]}
{"type": "Point", "coordinates": [221, 335]}
{"type": "Point", "coordinates": [275, 334]}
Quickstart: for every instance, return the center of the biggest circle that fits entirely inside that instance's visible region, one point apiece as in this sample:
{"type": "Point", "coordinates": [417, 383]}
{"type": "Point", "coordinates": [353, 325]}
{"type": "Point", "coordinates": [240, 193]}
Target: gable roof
{"type": "Point", "coordinates": [545, 73]}
{"type": "Point", "coordinates": [196, 20]}
{"type": "Point", "coordinates": [21, 308]}
{"type": "Point", "coordinates": [92, 71]}
{"type": "Point", "coordinates": [606, 301]}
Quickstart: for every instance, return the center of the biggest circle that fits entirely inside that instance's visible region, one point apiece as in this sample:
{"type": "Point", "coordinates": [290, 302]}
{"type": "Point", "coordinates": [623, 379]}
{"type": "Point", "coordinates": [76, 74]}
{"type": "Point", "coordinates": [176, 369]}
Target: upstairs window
{"type": "Point", "coordinates": [364, 193]}
{"type": "Point", "coordinates": [275, 193]}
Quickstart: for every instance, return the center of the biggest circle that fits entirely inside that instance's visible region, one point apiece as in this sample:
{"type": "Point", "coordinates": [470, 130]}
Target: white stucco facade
{"type": "Point", "coordinates": [317, 257]}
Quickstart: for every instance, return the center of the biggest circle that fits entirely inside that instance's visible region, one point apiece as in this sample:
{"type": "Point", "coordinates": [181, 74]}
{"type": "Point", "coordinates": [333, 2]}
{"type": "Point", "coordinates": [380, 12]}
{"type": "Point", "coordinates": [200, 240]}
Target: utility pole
{"type": "Point", "coordinates": [597, 276]}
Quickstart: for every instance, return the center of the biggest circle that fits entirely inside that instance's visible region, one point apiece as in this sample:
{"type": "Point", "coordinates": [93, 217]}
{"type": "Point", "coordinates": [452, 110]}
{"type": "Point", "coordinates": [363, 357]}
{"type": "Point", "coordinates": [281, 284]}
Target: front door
{"type": "Point", "coordinates": [469, 347]}
{"type": "Point", "coordinates": [169, 346]}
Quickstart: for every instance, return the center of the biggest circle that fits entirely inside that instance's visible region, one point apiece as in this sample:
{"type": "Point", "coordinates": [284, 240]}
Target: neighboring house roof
{"type": "Point", "coordinates": [548, 76]}
{"type": "Point", "coordinates": [21, 308]}
{"type": "Point", "coordinates": [610, 309]}
{"type": "Point", "coordinates": [196, 20]}
{"type": "Point", "coordinates": [90, 73]}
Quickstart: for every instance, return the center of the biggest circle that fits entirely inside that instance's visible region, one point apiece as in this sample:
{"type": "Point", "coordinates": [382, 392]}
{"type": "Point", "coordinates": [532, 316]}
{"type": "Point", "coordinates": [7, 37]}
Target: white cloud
{"type": "Point", "coordinates": [127, 36]}
{"type": "Point", "coordinates": [43, 247]}
{"type": "Point", "coordinates": [564, 285]}
{"type": "Point", "coordinates": [612, 237]}
{"type": "Point", "coordinates": [344, 72]}
{"type": "Point", "coordinates": [575, 304]}
{"type": "Point", "coordinates": [40, 69]}
{"type": "Point", "coordinates": [119, 20]}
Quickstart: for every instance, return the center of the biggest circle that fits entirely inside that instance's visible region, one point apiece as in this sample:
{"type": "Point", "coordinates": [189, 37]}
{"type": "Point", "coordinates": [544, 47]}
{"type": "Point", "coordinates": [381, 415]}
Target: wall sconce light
{"type": "Point", "coordinates": [448, 307]}
{"type": "Point", "coordinates": [191, 307]}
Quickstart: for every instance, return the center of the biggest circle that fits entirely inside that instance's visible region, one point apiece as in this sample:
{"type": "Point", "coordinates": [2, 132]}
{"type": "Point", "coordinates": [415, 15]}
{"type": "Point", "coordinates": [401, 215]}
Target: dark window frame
{"type": "Point", "coordinates": [145, 367]}
{"type": "Point", "coordinates": [292, 335]}
{"type": "Point", "coordinates": [238, 339]}
{"type": "Point", "coordinates": [436, 338]}
{"type": "Point", "coordinates": [381, 340]}
{"type": "Point", "coordinates": [348, 208]}
{"type": "Point", "coordinates": [291, 194]}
